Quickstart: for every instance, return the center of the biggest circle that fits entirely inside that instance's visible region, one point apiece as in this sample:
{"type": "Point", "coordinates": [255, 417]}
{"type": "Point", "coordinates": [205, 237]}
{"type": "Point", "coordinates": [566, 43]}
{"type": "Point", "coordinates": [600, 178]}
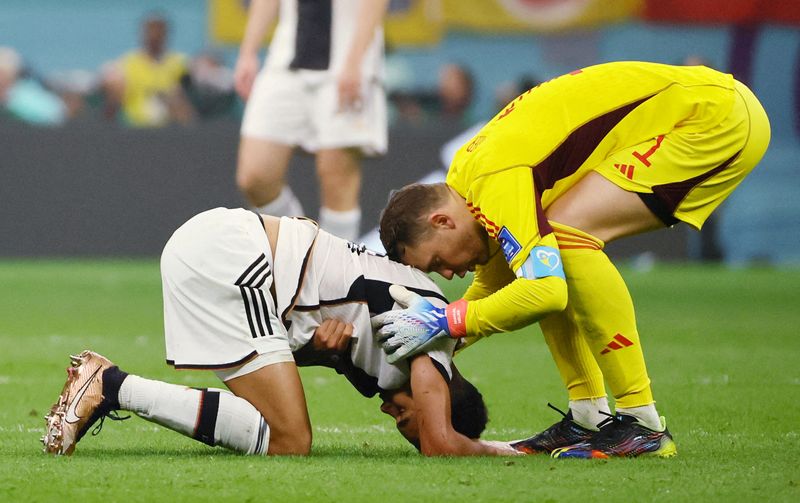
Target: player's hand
{"type": "Point", "coordinates": [500, 448]}
{"type": "Point", "coordinates": [244, 74]}
{"type": "Point", "coordinates": [332, 336]}
{"type": "Point", "coordinates": [407, 332]}
{"type": "Point", "coordinates": [349, 88]}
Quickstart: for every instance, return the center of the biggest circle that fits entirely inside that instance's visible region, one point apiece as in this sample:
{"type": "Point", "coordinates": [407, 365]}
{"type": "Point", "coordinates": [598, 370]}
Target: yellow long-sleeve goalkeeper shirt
{"type": "Point", "coordinates": [537, 148]}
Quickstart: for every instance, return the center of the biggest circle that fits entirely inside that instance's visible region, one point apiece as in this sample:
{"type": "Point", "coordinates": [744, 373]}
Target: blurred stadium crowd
{"type": "Point", "coordinates": [448, 62]}
{"type": "Point", "coordinates": [154, 85]}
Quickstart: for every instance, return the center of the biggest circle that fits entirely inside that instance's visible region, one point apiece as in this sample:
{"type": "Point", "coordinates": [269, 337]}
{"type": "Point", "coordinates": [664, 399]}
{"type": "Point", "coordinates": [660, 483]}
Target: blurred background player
{"type": "Point", "coordinates": [23, 98]}
{"type": "Point", "coordinates": [238, 328]}
{"type": "Point", "coordinates": [320, 89]}
{"type": "Point", "coordinates": [143, 88]}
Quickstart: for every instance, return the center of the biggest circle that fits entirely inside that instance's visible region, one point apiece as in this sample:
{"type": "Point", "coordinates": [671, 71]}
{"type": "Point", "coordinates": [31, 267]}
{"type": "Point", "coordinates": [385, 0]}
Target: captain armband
{"type": "Point", "coordinates": [543, 261]}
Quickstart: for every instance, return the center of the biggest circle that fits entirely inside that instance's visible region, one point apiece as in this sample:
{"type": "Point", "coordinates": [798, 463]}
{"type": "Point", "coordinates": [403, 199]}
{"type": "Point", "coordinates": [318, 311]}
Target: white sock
{"type": "Point", "coordinates": [646, 414]}
{"type": "Point", "coordinates": [285, 205]}
{"type": "Point", "coordinates": [212, 416]}
{"type": "Point", "coordinates": [345, 224]}
{"type": "Point", "coordinates": [586, 412]}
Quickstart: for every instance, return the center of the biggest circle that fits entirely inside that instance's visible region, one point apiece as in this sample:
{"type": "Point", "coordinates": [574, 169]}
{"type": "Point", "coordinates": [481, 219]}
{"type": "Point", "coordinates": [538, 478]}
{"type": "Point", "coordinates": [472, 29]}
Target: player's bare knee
{"type": "Point", "coordinates": [245, 184]}
{"type": "Point", "coordinates": [247, 177]}
{"type": "Point", "coordinates": [338, 165]}
{"type": "Point", "coordinates": [257, 188]}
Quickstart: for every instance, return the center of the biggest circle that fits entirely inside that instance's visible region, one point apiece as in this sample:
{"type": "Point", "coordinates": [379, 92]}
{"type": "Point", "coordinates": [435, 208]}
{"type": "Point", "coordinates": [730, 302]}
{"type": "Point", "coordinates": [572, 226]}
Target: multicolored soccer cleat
{"type": "Point", "coordinates": [622, 435]}
{"type": "Point", "coordinates": [562, 434]}
{"type": "Point", "coordinates": [80, 404]}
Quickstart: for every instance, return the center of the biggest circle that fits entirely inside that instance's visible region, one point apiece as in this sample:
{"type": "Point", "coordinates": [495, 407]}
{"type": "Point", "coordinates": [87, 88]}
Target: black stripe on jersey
{"type": "Point", "coordinates": [379, 300]}
{"type": "Point", "coordinates": [217, 366]}
{"type": "Point", "coordinates": [262, 280]}
{"type": "Point", "coordinates": [262, 432]}
{"type": "Point", "coordinates": [374, 293]}
{"type": "Point", "coordinates": [312, 42]}
{"type": "Point", "coordinates": [258, 274]}
{"type": "Point", "coordinates": [250, 268]}
{"type": "Point", "coordinates": [260, 220]}
{"type": "Point", "coordinates": [257, 312]}
{"type": "Point", "coordinates": [308, 356]}
{"type": "Point", "coordinates": [301, 277]}
{"type": "Point", "coordinates": [207, 416]}
{"type": "Point", "coordinates": [249, 285]}
{"type": "Point", "coordinates": [246, 301]}
{"type": "Point", "coordinates": [265, 311]}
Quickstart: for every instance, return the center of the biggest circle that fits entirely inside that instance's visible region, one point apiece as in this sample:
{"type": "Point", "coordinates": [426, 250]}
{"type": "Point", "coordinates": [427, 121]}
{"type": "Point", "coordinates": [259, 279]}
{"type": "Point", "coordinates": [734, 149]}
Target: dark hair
{"type": "Point", "coordinates": [402, 222]}
{"type": "Point", "coordinates": [156, 16]}
{"type": "Point", "coordinates": [468, 412]}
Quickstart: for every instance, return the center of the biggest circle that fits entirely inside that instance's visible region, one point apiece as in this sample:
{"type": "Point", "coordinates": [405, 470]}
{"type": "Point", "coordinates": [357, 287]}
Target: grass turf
{"type": "Point", "coordinates": [722, 348]}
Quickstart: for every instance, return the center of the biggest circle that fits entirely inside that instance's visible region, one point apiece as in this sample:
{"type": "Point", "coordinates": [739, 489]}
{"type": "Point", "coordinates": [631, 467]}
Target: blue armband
{"type": "Point", "coordinates": [543, 261]}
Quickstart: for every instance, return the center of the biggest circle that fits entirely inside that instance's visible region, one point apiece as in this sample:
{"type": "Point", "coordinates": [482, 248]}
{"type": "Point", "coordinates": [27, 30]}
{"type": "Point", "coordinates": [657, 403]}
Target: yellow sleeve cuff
{"type": "Point", "coordinates": [519, 304]}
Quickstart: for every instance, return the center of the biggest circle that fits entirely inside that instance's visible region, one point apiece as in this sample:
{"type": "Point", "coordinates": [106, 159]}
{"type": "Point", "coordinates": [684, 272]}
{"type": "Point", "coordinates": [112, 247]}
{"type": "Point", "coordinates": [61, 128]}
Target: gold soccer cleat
{"type": "Point", "coordinates": [80, 404]}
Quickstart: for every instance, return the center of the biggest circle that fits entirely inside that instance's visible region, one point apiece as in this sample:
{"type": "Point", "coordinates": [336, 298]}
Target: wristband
{"type": "Point", "coordinates": [456, 313]}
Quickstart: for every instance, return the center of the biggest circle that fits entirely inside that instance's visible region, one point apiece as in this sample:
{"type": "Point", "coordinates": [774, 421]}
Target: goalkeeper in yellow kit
{"type": "Point", "coordinates": [528, 205]}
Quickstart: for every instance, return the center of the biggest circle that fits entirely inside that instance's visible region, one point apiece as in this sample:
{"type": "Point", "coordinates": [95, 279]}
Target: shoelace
{"type": "Point", "coordinates": [112, 415]}
{"type": "Point", "coordinates": [564, 414]}
{"type": "Point", "coordinates": [612, 418]}
{"type": "Point", "coordinates": [611, 421]}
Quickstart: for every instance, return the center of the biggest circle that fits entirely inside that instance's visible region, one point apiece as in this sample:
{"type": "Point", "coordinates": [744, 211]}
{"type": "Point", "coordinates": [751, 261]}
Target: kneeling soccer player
{"type": "Point", "coordinates": [242, 293]}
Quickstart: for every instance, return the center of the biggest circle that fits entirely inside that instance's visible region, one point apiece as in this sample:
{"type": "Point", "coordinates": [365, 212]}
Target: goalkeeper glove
{"type": "Point", "coordinates": [413, 330]}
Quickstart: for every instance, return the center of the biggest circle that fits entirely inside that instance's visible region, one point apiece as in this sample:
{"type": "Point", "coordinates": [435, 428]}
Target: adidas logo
{"type": "Point", "coordinates": [619, 342]}
{"type": "Point", "coordinates": [626, 169]}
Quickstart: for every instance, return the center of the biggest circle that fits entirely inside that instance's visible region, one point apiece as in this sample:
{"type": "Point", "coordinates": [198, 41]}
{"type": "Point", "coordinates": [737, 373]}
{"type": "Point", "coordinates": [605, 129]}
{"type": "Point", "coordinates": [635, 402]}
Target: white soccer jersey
{"type": "Point", "coordinates": [227, 299]}
{"type": "Point", "coordinates": [317, 36]}
{"type": "Point", "coordinates": [216, 275]}
{"type": "Point", "coordinates": [345, 281]}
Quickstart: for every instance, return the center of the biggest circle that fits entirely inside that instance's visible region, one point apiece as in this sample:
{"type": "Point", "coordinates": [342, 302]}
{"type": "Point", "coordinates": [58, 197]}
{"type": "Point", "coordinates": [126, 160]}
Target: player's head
{"type": "Point", "coordinates": [468, 413]}
{"type": "Point", "coordinates": [155, 29]}
{"type": "Point", "coordinates": [430, 227]}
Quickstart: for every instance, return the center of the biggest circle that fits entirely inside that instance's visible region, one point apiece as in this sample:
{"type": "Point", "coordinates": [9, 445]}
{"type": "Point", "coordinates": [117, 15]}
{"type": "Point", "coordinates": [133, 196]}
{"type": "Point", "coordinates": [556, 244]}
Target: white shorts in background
{"type": "Point", "coordinates": [219, 313]}
{"type": "Point", "coordinates": [300, 107]}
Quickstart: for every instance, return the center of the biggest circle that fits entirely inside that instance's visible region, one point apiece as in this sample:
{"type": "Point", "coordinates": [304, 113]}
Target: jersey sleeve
{"type": "Point", "coordinates": [508, 207]}
{"type": "Point", "coordinates": [532, 283]}
{"type": "Point", "coordinates": [515, 306]}
{"type": "Point", "coordinates": [490, 277]}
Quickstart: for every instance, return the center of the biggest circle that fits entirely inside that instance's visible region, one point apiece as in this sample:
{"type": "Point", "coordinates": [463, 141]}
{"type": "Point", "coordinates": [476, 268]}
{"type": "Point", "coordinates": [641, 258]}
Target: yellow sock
{"type": "Point", "coordinates": [573, 357]}
{"type": "Point", "coordinates": [600, 311]}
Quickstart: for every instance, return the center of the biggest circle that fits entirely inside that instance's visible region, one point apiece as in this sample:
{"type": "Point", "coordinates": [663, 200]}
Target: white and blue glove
{"type": "Point", "coordinates": [413, 330]}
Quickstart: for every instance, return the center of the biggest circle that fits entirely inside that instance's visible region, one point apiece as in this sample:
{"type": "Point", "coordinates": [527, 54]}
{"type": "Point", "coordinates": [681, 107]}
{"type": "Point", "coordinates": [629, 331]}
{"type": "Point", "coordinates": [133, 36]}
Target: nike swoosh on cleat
{"type": "Point", "coordinates": [71, 416]}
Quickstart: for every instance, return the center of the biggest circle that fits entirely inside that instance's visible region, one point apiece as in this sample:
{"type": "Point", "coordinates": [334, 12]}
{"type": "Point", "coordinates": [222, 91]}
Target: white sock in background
{"type": "Point", "coordinates": [285, 205]}
{"type": "Point", "coordinates": [345, 224]}
{"type": "Point", "coordinates": [646, 414]}
{"type": "Point", "coordinates": [587, 412]}
{"type": "Point", "coordinates": [212, 416]}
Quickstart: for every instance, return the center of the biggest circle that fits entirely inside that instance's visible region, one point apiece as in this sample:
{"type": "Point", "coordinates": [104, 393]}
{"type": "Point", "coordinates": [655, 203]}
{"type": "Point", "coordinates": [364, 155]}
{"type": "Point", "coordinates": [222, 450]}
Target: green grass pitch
{"type": "Point", "coordinates": [723, 350]}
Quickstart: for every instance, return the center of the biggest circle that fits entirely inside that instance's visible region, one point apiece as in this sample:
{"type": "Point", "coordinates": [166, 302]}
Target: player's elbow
{"type": "Point", "coordinates": [548, 296]}
{"type": "Point", "coordinates": [440, 446]}
{"type": "Point", "coordinates": [436, 451]}
{"type": "Point", "coordinates": [556, 300]}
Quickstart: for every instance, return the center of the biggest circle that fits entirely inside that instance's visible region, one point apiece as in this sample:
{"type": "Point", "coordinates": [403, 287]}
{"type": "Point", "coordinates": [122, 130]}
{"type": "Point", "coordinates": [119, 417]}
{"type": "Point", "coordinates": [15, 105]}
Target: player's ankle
{"type": "Point", "coordinates": [112, 382]}
{"type": "Point", "coordinates": [646, 415]}
{"type": "Point", "coordinates": [589, 412]}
